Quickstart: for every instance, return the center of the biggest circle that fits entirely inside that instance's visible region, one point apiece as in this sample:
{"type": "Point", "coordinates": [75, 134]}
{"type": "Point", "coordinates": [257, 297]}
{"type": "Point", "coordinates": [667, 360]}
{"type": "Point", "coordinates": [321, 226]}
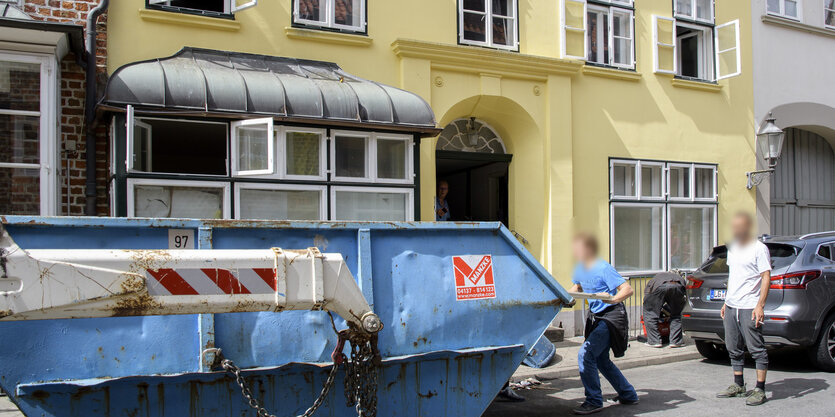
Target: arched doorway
{"type": "Point", "coordinates": [472, 158]}
{"type": "Point", "coordinates": [803, 185]}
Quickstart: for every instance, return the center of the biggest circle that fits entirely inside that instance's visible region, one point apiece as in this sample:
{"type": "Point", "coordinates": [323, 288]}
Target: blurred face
{"type": "Point", "coordinates": [443, 189]}
{"type": "Point", "coordinates": [580, 250]}
{"type": "Point", "coordinates": [741, 228]}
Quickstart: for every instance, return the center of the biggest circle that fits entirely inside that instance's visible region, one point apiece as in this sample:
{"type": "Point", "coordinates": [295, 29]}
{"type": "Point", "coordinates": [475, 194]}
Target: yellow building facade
{"type": "Point", "coordinates": [599, 146]}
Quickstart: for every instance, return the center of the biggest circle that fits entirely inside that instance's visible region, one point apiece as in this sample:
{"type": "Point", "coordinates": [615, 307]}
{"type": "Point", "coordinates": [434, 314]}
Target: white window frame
{"type": "Point", "coordinates": [827, 9]}
{"type": "Point", "coordinates": [714, 178]}
{"type": "Point", "coordinates": [281, 158]}
{"type": "Point", "coordinates": [707, 50]}
{"type": "Point", "coordinates": [329, 8]}
{"type": "Point", "coordinates": [735, 49]}
{"type": "Point", "coordinates": [664, 254]}
{"type": "Point", "coordinates": [48, 111]}
{"type": "Point", "coordinates": [133, 123]}
{"type": "Point", "coordinates": [408, 166]}
{"type": "Point", "coordinates": [321, 189]}
{"type": "Point", "coordinates": [639, 181]}
{"type": "Point", "coordinates": [271, 157]}
{"type": "Point", "coordinates": [409, 192]}
{"type": "Point", "coordinates": [593, 8]}
{"type": "Point", "coordinates": [694, 17]}
{"type": "Point", "coordinates": [224, 185]}
{"type": "Point", "coordinates": [667, 225]}
{"type": "Point", "coordinates": [691, 181]}
{"type": "Point", "coordinates": [631, 18]}
{"type": "Point", "coordinates": [369, 152]}
{"type": "Point", "coordinates": [566, 29]}
{"type": "Point", "coordinates": [488, 25]}
{"type": "Point", "coordinates": [229, 6]}
{"type": "Point", "coordinates": [657, 45]}
{"type": "Point", "coordinates": [635, 174]}
{"type": "Point", "coordinates": [782, 11]}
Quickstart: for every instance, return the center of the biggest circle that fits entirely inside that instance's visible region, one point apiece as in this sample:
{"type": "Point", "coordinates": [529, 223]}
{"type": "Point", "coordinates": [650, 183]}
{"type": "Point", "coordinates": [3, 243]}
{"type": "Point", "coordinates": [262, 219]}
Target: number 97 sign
{"type": "Point", "coordinates": [473, 277]}
{"type": "Point", "coordinates": [180, 239]}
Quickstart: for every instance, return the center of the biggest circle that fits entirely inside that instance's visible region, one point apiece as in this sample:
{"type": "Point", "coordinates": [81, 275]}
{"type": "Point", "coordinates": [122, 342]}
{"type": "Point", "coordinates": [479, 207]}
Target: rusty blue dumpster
{"type": "Point", "coordinates": [459, 305]}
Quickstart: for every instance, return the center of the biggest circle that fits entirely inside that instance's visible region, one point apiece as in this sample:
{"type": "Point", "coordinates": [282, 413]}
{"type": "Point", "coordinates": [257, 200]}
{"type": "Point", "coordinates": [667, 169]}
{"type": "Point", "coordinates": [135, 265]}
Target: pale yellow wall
{"type": "Point", "coordinates": [560, 123]}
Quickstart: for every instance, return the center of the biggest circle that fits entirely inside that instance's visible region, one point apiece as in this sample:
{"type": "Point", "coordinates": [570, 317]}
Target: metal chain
{"type": "Point", "coordinates": [361, 378]}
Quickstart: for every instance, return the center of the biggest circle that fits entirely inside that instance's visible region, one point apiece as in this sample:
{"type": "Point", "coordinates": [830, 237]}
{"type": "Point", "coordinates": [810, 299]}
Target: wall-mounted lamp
{"type": "Point", "coordinates": [770, 146]}
{"type": "Point", "coordinates": [472, 132]}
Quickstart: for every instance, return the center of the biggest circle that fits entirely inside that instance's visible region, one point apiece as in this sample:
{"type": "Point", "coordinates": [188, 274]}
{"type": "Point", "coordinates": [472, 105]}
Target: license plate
{"type": "Point", "coordinates": [717, 295]}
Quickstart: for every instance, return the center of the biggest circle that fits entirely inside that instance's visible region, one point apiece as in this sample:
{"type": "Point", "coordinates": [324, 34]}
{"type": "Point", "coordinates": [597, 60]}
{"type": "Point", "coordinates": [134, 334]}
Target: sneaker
{"type": "Point", "coordinates": [755, 397]}
{"type": "Point", "coordinates": [587, 408]}
{"type": "Point", "coordinates": [621, 401]}
{"type": "Point", "coordinates": [732, 391]}
{"type": "Point", "coordinates": [508, 394]}
{"type": "Point", "coordinates": [676, 346]}
{"type": "Point", "coordinates": [655, 345]}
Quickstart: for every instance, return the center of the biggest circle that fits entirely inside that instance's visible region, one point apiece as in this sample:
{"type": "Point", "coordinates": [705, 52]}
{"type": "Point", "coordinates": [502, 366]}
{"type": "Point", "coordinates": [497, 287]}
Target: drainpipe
{"type": "Point", "coordinates": [91, 97]}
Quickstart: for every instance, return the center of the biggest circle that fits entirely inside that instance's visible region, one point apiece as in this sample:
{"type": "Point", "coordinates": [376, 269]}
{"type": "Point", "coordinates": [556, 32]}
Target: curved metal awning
{"type": "Point", "coordinates": [203, 81]}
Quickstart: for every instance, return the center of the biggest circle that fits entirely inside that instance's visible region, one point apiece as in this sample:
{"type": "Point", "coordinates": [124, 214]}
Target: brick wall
{"type": "Point", "coordinates": [72, 99]}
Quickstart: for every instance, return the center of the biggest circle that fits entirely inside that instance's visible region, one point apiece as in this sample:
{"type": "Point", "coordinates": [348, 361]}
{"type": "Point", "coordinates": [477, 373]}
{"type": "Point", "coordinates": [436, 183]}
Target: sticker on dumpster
{"type": "Point", "coordinates": [473, 277]}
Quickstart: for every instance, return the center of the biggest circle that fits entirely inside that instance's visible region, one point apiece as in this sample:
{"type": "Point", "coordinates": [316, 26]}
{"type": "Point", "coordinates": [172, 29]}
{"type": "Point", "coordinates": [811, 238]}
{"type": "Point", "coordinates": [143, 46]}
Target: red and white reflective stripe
{"type": "Point", "coordinates": [210, 281]}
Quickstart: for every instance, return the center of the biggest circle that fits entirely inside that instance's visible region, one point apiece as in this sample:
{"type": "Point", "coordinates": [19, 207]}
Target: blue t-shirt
{"type": "Point", "coordinates": [601, 277]}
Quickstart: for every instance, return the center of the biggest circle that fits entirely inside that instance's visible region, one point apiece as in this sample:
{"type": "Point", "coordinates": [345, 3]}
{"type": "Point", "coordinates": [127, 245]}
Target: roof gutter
{"type": "Point", "coordinates": [90, 107]}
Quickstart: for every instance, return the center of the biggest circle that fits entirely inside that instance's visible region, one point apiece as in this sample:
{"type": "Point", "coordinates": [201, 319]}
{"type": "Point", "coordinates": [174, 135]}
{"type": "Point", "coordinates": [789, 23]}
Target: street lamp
{"type": "Point", "coordinates": [770, 146]}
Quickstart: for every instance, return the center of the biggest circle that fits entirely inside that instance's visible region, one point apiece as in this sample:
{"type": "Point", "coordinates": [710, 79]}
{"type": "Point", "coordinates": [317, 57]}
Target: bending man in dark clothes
{"type": "Point", "coordinates": [665, 287]}
{"type": "Point", "coordinates": [607, 327]}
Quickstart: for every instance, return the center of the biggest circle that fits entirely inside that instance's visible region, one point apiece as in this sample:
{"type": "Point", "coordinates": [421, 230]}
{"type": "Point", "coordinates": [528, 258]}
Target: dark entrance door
{"type": "Point", "coordinates": [477, 184]}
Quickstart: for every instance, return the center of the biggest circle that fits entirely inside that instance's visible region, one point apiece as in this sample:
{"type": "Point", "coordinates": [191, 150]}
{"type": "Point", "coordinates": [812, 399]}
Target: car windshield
{"type": "Point", "coordinates": [781, 256]}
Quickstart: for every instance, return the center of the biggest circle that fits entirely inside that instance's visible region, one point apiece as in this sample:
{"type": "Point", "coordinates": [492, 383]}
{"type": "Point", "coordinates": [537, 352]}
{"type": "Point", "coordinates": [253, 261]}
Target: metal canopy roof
{"type": "Point", "coordinates": [237, 84]}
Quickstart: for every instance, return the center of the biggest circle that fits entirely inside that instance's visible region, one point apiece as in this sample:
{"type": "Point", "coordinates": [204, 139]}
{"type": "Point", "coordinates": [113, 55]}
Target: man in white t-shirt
{"type": "Point", "coordinates": [749, 278]}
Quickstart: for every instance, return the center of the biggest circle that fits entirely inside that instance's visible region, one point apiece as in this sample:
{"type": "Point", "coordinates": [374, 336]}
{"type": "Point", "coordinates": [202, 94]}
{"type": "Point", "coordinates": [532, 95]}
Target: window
{"type": "Point", "coordinates": [826, 251]}
{"type": "Point", "coordinates": [607, 32]}
{"type": "Point", "coordinates": [206, 7]}
{"type": "Point", "coordinates": [28, 180]}
{"type": "Point", "coordinates": [254, 169]}
{"type": "Point", "coordinates": [829, 13]}
{"type": "Point", "coordinates": [783, 8]}
{"type": "Point", "coordinates": [690, 46]}
{"type": "Point", "coordinates": [346, 15]}
{"type": "Point", "coordinates": [491, 23]}
{"type": "Point", "coordinates": [663, 214]}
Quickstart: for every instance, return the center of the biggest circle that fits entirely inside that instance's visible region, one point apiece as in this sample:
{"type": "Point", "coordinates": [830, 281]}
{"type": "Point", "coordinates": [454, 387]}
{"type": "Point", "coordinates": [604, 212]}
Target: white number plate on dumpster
{"type": "Point", "coordinates": [180, 239]}
{"type": "Point", "coordinates": [718, 295]}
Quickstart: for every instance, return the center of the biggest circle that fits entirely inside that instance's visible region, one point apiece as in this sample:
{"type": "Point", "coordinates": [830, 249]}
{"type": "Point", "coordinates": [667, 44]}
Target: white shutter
{"type": "Point", "coordinates": [664, 49]}
{"type": "Point", "coordinates": [267, 135]}
{"type": "Point", "coordinates": [235, 7]}
{"type": "Point", "coordinates": [728, 57]}
{"type": "Point", "coordinates": [574, 26]}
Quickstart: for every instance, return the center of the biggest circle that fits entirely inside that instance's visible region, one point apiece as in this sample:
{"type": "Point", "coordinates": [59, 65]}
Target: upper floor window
{"type": "Point", "coordinates": [346, 15]}
{"type": "Point", "coordinates": [784, 8]}
{"type": "Point", "coordinates": [829, 13]}
{"type": "Point", "coordinates": [492, 23]}
{"type": "Point", "coordinates": [205, 7]}
{"type": "Point", "coordinates": [690, 46]}
{"type": "Point", "coordinates": [609, 36]}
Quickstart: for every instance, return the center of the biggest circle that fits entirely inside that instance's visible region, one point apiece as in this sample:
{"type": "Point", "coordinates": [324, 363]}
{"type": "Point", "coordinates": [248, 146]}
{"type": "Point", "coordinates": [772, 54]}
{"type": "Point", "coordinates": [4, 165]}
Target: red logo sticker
{"type": "Point", "coordinates": [473, 277]}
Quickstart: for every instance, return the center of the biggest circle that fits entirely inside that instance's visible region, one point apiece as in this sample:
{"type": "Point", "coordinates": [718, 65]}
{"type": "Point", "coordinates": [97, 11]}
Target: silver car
{"type": "Point", "coordinates": [799, 312]}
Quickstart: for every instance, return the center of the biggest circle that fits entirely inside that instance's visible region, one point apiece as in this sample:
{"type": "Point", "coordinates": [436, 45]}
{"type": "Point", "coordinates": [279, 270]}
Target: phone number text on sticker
{"type": "Point", "coordinates": [473, 277]}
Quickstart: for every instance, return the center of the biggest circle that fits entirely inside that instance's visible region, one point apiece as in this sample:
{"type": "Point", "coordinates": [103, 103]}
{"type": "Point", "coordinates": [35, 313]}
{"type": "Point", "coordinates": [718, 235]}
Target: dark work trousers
{"type": "Point", "coordinates": [741, 332]}
{"type": "Point", "coordinates": [673, 294]}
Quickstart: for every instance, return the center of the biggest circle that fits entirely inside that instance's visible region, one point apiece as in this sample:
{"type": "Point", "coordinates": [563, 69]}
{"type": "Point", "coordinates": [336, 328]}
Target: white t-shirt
{"type": "Point", "coordinates": [745, 264]}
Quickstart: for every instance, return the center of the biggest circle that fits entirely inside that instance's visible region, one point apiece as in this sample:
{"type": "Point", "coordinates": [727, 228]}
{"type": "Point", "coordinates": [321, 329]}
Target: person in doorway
{"type": "Point", "coordinates": [607, 325]}
{"type": "Point", "coordinates": [441, 204]}
{"type": "Point", "coordinates": [669, 288]}
{"type": "Point", "coordinates": [749, 278]}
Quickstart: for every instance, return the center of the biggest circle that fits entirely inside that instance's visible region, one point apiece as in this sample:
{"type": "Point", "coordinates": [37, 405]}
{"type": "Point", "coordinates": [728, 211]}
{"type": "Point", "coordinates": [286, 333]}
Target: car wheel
{"type": "Point", "coordinates": [823, 355]}
{"type": "Point", "coordinates": [711, 350]}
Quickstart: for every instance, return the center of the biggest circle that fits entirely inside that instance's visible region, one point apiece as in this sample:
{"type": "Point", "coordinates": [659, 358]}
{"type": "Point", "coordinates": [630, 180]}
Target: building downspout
{"type": "Point", "coordinates": [91, 97]}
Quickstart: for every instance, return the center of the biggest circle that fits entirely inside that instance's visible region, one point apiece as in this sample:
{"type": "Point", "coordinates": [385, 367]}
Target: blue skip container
{"type": "Point", "coordinates": [461, 305]}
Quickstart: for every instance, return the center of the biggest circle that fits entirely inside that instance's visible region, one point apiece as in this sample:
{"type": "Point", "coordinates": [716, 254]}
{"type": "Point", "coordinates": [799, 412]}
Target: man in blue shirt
{"type": "Point", "coordinates": [441, 203]}
{"type": "Point", "coordinates": [606, 327]}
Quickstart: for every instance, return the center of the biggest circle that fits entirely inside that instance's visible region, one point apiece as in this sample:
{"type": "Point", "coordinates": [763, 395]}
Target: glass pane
{"type": "Point", "coordinates": [20, 191]}
{"type": "Point", "coordinates": [280, 204]}
{"type": "Point", "coordinates": [350, 157]}
{"type": "Point", "coordinates": [370, 206]}
{"type": "Point", "coordinates": [623, 51]}
{"type": "Point", "coordinates": [142, 149]}
{"type": "Point", "coordinates": [651, 181]}
{"type": "Point", "coordinates": [679, 182]}
{"type": "Point", "coordinates": [621, 25]}
{"type": "Point", "coordinates": [704, 183]}
{"type": "Point", "coordinates": [178, 202]}
{"type": "Point", "coordinates": [19, 139]}
{"type": "Point", "coordinates": [474, 27]}
{"type": "Point", "coordinates": [391, 159]}
{"type": "Point", "coordinates": [791, 8]}
{"type": "Point", "coordinates": [692, 231]}
{"type": "Point", "coordinates": [598, 37]}
{"type": "Point", "coordinates": [773, 6]}
{"type": "Point", "coordinates": [475, 5]}
{"type": "Point", "coordinates": [20, 86]}
{"type": "Point", "coordinates": [303, 153]}
{"type": "Point", "coordinates": [253, 148]}
{"type": "Point", "coordinates": [623, 181]}
{"type": "Point", "coordinates": [503, 33]}
{"type": "Point", "coordinates": [830, 16]}
{"type": "Point", "coordinates": [348, 12]}
{"type": "Point", "coordinates": [503, 8]}
{"type": "Point", "coordinates": [684, 7]}
{"type": "Point", "coordinates": [180, 147]}
{"type": "Point", "coordinates": [637, 238]}
{"type": "Point", "coordinates": [704, 9]}
{"type": "Point", "coordinates": [311, 10]}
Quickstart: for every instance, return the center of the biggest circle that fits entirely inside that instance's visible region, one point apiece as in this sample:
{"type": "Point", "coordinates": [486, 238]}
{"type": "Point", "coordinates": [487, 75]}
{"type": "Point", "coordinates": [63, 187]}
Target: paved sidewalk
{"type": "Point", "coordinates": [637, 355]}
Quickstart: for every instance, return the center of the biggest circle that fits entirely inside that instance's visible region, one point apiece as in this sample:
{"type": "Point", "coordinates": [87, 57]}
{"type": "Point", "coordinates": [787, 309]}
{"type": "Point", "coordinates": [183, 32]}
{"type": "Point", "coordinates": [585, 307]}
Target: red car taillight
{"type": "Point", "coordinates": [794, 281]}
{"type": "Point", "coordinates": [693, 283]}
